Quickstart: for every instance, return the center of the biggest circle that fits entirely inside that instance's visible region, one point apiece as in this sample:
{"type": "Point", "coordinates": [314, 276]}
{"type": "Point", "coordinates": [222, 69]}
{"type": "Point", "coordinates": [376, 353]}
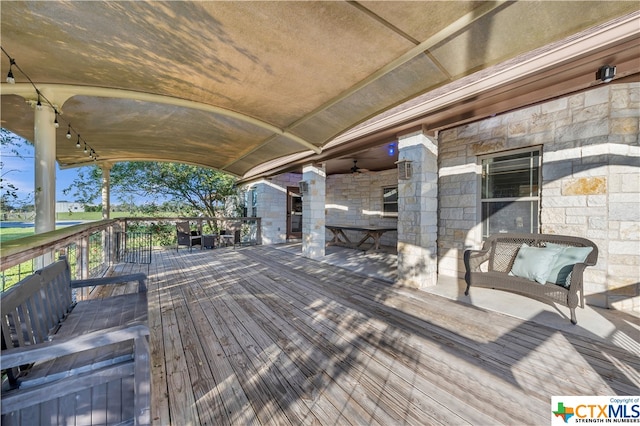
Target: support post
{"type": "Point", "coordinates": [418, 212]}
{"type": "Point", "coordinates": [313, 217]}
{"type": "Point", "coordinates": [107, 234]}
{"type": "Point", "coordinates": [106, 190]}
{"type": "Point", "coordinates": [45, 176]}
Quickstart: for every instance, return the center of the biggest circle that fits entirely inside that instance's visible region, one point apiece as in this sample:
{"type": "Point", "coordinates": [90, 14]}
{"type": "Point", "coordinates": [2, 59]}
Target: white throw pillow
{"type": "Point", "coordinates": [565, 261]}
{"type": "Point", "coordinates": [534, 263]}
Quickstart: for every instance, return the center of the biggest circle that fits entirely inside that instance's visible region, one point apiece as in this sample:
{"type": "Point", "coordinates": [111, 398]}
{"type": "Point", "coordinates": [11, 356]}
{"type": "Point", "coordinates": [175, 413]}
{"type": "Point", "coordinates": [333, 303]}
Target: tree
{"type": "Point", "coordinates": [9, 199]}
{"type": "Point", "coordinates": [204, 190]}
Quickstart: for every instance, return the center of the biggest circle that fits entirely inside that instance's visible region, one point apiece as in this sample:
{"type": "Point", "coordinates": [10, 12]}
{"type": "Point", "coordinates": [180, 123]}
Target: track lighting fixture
{"type": "Point", "coordinates": [10, 78]}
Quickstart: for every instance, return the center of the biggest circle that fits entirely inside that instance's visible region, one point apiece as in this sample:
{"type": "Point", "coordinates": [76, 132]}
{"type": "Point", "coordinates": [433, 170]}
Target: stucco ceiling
{"type": "Point", "coordinates": [237, 85]}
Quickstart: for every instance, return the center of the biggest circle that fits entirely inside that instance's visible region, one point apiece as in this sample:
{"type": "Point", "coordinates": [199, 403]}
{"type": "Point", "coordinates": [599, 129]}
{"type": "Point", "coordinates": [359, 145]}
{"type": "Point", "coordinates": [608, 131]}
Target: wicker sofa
{"type": "Point", "coordinates": [504, 257]}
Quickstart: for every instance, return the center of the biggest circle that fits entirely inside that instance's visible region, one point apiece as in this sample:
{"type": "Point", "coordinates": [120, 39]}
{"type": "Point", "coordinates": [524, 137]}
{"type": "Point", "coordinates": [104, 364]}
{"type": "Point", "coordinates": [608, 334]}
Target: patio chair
{"type": "Point", "coordinates": [187, 237]}
{"type": "Point", "coordinates": [228, 237]}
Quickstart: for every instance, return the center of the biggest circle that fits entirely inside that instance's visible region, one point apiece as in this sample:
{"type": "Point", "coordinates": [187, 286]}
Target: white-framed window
{"type": "Point", "coordinates": [390, 201]}
{"type": "Point", "coordinates": [510, 192]}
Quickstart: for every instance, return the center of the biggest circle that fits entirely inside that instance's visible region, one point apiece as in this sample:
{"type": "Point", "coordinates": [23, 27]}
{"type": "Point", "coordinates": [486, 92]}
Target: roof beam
{"type": "Point", "coordinates": [401, 33]}
{"type": "Point", "coordinates": [545, 58]}
{"type": "Point", "coordinates": [420, 48]}
{"type": "Point", "coordinates": [458, 25]}
{"type": "Point", "coordinates": [146, 158]}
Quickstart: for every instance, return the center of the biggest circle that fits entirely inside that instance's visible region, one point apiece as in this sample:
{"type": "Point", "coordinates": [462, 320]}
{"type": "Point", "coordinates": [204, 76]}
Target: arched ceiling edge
{"type": "Point", "coordinates": [60, 93]}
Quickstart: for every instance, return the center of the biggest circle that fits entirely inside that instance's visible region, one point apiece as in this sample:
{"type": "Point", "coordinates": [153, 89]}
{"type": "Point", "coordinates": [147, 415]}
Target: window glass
{"type": "Point", "coordinates": [390, 200]}
{"type": "Point", "coordinates": [251, 203]}
{"type": "Point", "coordinates": [254, 202]}
{"type": "Point", "coordinates": [510, 216]}
{"type": "Point", "coordinates": [510, 193]}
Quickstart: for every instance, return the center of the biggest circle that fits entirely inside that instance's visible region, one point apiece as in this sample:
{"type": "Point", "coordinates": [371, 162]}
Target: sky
{"type": "Point", "coordinates": [20, 172]}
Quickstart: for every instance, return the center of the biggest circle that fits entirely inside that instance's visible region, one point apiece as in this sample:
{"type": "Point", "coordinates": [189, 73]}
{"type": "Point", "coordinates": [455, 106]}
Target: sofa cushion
{"type": "Point", "coordinates": [534, 263]}
{"type": "Point", "coordinates": [565, 261]}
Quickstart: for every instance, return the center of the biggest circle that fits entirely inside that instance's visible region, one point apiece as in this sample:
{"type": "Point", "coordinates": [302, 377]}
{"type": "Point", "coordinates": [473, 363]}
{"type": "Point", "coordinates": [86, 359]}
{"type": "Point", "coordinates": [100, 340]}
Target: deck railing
{"type": "Point", "coordinates": [87, 246]}
{"type": "Point", "coordinates": [92, 248]}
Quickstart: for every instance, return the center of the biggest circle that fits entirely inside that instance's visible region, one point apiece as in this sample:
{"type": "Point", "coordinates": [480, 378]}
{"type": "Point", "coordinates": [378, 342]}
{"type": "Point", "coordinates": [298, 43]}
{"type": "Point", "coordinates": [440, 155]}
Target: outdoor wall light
{"type": "Point", "coordinates": [606, 73]}
{"type": "Point", "coordinates": [404, 169]}
{"type": "Point", "coordinates": [10, 78]}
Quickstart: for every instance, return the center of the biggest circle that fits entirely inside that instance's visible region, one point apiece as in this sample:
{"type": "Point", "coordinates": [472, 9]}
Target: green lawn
{"type": "Point", "coordinates": [90, 215]}
{"type": "Point", "coordinates": [7, 234]}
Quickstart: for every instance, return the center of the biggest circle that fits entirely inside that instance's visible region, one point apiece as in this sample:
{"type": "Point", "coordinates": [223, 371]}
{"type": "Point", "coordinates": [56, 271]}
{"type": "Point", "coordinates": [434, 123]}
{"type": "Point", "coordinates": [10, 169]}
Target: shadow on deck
{"type": "Point", "coordinates": [260, 335]}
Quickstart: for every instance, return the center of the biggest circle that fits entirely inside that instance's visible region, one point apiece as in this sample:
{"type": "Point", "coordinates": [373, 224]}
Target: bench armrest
{"type": "Point", "coordinates": [472, 261]}
{"type": "Point", "coordinates": [474, 258]}
{"type": "Point", "coordinates": [70, 345]}
{"type": "Point", "coordinates": [115, 279]}
{"type": "Point", "coordinates": [576, 285]}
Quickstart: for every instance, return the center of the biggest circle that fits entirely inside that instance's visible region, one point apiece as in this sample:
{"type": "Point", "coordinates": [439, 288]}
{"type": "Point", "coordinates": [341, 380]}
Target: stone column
{"type": "Point", "coordinates": [313, 217]}
{"type": "Point", "coordinates": [418, 211]}
{"type": "Point", "coordinates": [106, 190]}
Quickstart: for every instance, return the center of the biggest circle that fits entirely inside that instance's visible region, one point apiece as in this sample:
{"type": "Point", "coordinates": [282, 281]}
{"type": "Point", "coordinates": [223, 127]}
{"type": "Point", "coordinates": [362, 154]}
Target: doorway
{"type": "Point", "coordinates": [294, 213]}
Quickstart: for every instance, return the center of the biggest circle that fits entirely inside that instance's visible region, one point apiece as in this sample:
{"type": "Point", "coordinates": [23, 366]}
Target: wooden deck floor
{"type": "Point", "coordinates": [259, 336]}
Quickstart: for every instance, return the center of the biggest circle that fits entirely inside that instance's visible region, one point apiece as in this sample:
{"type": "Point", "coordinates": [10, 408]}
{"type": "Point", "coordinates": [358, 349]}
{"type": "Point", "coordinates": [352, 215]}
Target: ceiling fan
{"type": "Point", "coordinates": [356, 169]}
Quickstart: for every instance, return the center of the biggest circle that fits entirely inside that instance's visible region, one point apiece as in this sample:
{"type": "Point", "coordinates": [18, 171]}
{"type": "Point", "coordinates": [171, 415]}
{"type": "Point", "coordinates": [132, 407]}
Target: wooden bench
{"type": "Point", "coordinates": [65, 362]}
{"type": "Point", "coordinates": [493, 266]}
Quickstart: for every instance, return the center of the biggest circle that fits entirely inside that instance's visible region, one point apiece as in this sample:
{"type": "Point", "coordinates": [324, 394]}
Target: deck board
{"type": "Point", "coordinates": [419, 367]}
{"type": "Point", "coordinates": [256, 335]}
{"type": "Point", "coordinates": [300, 373]}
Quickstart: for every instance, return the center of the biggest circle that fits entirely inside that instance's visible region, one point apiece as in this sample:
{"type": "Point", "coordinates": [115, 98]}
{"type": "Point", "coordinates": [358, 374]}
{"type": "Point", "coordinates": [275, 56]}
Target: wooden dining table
{"type": "Point", "coordinates": [373, 232]}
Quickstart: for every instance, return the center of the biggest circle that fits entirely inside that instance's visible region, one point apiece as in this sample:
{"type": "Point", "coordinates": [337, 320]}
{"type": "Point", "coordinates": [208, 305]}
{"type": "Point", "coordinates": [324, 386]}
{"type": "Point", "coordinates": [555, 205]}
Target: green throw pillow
{"type": "Point", "coordinates": [534, 263]}
{"type": "Point", "coordinates": [564, 262]}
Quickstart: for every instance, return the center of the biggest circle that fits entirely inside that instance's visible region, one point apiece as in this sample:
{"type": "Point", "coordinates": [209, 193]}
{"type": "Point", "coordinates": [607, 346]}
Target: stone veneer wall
{"type": "Point", "coordinates": [357, 199]}
{"type": "Point", "coordinates": [590, 182]}
{"type": "Point", "coordinates": [350, 198]}
{"type": "Point", "coordinates": [272, 206]}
